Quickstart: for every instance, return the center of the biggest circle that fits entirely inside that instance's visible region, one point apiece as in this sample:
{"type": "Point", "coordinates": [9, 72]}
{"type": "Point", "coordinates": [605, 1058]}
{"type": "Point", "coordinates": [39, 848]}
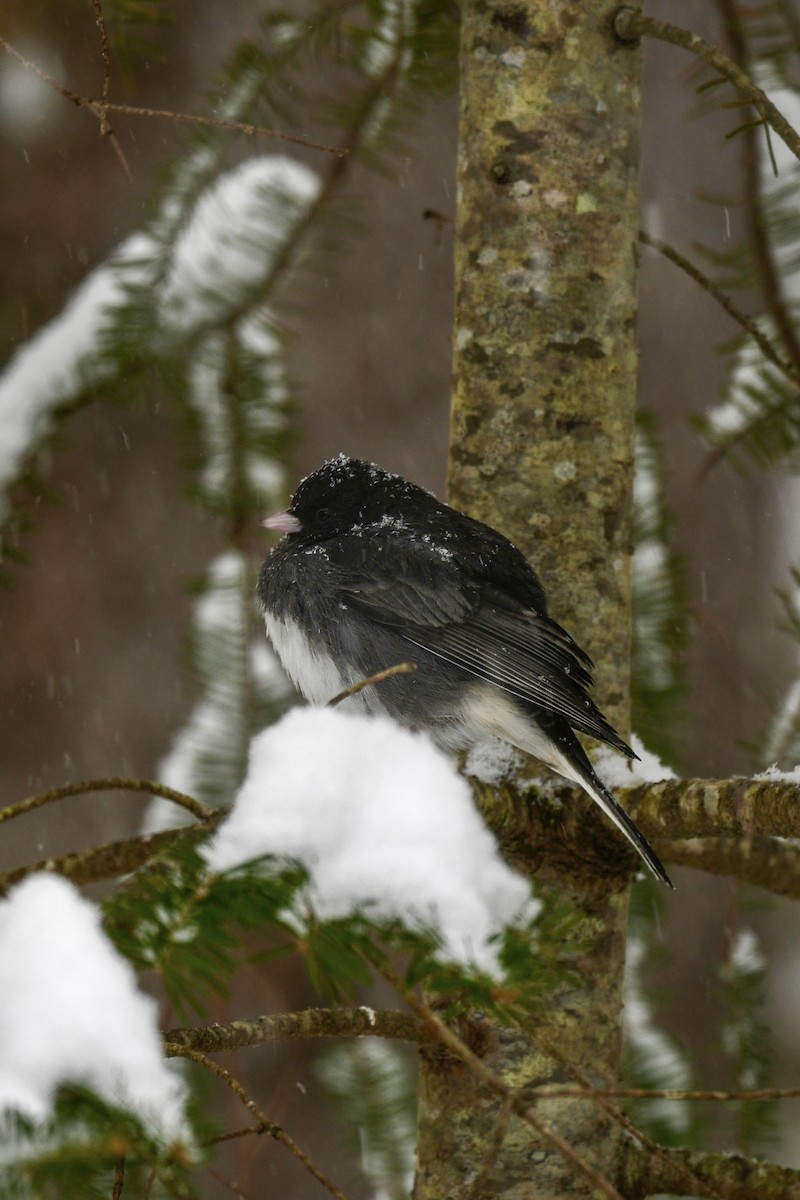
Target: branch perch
{"type": "Point", "coordinates": [291, 1026]}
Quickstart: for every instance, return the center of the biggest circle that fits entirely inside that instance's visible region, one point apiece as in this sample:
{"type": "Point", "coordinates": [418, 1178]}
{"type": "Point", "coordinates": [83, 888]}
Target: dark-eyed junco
{"type": "Point", "coordinates": [374, 571]}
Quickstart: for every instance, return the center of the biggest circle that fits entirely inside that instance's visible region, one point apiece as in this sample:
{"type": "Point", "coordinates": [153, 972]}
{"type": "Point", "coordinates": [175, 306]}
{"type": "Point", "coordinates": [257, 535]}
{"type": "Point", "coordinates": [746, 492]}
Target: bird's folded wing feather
{"type": "Point", "coordinates": [433, 602]}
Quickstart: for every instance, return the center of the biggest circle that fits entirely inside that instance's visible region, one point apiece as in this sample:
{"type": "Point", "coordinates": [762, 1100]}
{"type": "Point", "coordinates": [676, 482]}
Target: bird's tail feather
{"type": "Point", "coordinates": [590, 783]}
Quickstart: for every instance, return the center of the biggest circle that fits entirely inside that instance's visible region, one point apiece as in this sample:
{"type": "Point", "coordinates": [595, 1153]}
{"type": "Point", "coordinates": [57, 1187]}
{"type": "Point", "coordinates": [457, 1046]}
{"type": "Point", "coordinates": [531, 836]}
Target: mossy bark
{"type": "Point", "coordinates": [542, 448]}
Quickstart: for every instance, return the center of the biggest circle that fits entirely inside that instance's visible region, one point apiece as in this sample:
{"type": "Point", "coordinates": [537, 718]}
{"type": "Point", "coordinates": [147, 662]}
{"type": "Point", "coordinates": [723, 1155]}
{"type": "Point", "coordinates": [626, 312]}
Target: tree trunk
{"type": "Point", "coordinates": [542, 448]}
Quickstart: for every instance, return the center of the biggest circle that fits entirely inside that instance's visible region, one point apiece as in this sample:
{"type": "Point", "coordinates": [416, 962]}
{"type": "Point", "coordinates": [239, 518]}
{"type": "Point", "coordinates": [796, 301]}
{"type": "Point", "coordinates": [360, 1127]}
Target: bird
{"type": "Point", "coordinates": [373, 570]}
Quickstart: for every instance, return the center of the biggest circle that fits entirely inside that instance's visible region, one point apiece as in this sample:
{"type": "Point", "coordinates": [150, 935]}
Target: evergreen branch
{"type": "Point", "coordinates": [131, 110]}
{"type": "Point", "coordinates": [284, 260]}
{"type": "Point", "coordinates": [739, 807]}
{"type": "Point", "coordinates": [735, 1176]}
{"type": "Point", "coordinates": [291, 1026]}
{"type": "Point", "coordinates": [100, 108]}
{"type": "Point", "coordinates": [112, 859]}
{"type": "Point", "coordinates": [760, 243]}
{"type": "Point", "coordinates": [766, 862]}
{"type": "Point", "coordinates": [515, 1098]}
{"type": "Point", "coordinates": [264, 1124]}
{"type": "Point", "coordinates": [630, 25]}
{"type": "Point", "coordinates": [110, 784]}
{"type": "Point", "coordinates": [773, 413]}
{"type": "Point", "coordinates": [789, 370]}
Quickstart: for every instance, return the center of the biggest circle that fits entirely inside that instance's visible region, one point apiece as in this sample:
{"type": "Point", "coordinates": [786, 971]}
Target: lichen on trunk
{"type": "Point", "coordinates": [542, 448]}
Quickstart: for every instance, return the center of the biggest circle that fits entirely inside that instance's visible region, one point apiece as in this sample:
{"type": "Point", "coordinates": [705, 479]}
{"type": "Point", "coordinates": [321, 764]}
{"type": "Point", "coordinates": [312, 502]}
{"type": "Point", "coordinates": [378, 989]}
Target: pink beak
{"type": "Point", "coordinates": [283, 522]}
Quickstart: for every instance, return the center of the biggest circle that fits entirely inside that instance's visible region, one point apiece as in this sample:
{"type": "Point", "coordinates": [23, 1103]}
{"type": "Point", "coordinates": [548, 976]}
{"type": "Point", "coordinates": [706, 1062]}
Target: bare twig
{"type": "Point", "coordinates": [113, 783]}
{"type": "Point", "coordinates": [105, 128]}
{"type": "Point", "coordinates": [100, 21]}
{"type": "Point", "coordinates": [404, 668]}
{"type": "Point", "coordinates": [264, 1124]}
{"type": "Point", "coordinates": [100, 108]}
{"type": "Point", "coordinates": [119, 1180]}
{"type": "Point", "coordinates": [790, 371]}
{"type": "Point", "coordinates": [112, 859]}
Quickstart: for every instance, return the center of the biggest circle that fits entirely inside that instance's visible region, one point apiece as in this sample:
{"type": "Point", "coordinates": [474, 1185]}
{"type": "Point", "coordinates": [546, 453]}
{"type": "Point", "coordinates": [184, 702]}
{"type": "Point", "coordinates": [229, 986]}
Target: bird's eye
{"type": "Point", "coordinates": [323, 513]}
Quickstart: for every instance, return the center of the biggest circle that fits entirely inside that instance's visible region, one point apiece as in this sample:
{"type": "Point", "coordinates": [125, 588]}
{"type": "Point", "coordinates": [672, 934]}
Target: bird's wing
{"type": "Point", "coordinates": [526, 655]}
{"type": "Point", "coordinates": [426, 596]}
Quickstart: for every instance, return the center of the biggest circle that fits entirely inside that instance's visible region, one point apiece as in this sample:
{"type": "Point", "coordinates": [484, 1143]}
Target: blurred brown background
{"type": "Point", "coordinates": [92, 632]}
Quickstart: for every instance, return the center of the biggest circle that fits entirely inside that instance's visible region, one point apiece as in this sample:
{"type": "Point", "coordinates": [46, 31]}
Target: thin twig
{"type": "Point", "coordinates": [99, 109]}
{"type": "Point", "coordinates": [105, 52]}
{"type": "Point", "coordinates": [113, 783]}
{"type": "Point", "coordinates": [747, 323]}
{"type": "Point", "coordinates": [264, 1124]}
{"type": "Point", "coordinates": [632, 1093]}
{"type": "Point", "coordinates": [119, 1180]}
{"type": "Point", "coordinates": [404, 668]}
{"type": "Point", "coordinates": [105, 128]}
{"type": "Point", "coordinates": [130, 110]}
{"type": "Point", "coordinates": [112, 859]}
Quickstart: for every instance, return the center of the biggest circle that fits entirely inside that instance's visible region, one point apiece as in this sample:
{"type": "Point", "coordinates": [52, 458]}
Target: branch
{"type": "Point", "coordinates": [264, 1124]}
{"type": "Point", "coordinates": [760, 243]}
{"type": "Point", "coordinates": [747, 323]}
{"type": "Point", "coordinates": [630, 25]}
{"type": "Point", "coordinates": [114, 858]}
{"type": "Point", "coordinates": [100, 108]}
{"type": "Point", "coordinates": [740, 807]}
{"type": "Point", "coordinates": [765, 862]}
{"type": "Point", "coordinates": [404, 668]}
{"type": "Point", "coordinates": [733, 1175]}
{"type": "Point", "coordinates": [310, 1023]}
{"type": "Point", "coordinates": [112, 783]}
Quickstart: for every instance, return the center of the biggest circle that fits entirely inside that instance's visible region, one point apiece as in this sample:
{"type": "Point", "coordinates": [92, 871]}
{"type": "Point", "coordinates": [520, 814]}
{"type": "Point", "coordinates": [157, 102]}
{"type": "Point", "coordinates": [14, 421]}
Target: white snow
{"type": "Point", "coordinates": [383, 823]}
{"type": "Point", "coordinates": [72, 1011]}
{"type": "Point", "coordinates": [775, 773]}
{"type": "Point", "coordinates": [616, 770]}
{"type": "Point", "coordinates": [234, 232]}
{"type": "Point", "coordinates": [658, 1055]}
{"type": "Point", "coordinates": [219, 259]}
{"type": "Point", "coordinates": [747, 957]}
{"type": "Point", "coordinates": [493, 760]}
{"type": "Point", "coordinates": [739, 407]}
{"type": "Point", "coordinates": [215, 724]}
{"type": "Point", "coordinates": [209, 387]}
{"type": "Point", "coordinates": [63, 357]}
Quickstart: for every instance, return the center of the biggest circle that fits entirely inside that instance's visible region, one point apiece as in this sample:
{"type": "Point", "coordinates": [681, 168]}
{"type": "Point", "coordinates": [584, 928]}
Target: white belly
{"type": "Point", "coordinates": [311, 671]}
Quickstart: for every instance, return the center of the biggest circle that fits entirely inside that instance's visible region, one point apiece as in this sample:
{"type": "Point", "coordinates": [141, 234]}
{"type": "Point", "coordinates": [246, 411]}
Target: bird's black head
{"type": "Point", "coordinates": [344, 493]}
